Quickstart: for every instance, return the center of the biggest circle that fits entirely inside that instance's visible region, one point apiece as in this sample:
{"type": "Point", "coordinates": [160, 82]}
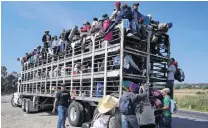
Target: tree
{"type": "Point", "coordinates": [8, 81]}
{"type": "Point", "coordinates": [3, 71]}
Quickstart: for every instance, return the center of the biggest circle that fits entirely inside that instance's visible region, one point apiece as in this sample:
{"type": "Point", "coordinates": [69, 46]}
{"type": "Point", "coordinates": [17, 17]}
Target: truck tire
{"type": "Point", "coordinates": [27, 106]}
{"type": "Point", "coordinates": [23, 104]}
{"type": "Point", "coordinates": [12, 102]}
{"type": "Point", "coordinates": [76, 114]}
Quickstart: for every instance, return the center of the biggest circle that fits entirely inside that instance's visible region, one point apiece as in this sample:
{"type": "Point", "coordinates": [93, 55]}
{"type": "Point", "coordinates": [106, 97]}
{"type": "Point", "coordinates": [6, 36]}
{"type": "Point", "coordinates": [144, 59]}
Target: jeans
{"type": "Point", "coordinates": [63, 46]}
{"type": "Point", "coordinates": [126, 24]}
{"type": "Point", "coordinates": [165, 122]}
{"type": "Point", "coordinates": [169, 85]}
{"type": "Point", "coordinates": [62, 114]}
{"type": "Point", "coordinates": [134, 26]}
{"type": "Point", "coordinates": [129, 121]}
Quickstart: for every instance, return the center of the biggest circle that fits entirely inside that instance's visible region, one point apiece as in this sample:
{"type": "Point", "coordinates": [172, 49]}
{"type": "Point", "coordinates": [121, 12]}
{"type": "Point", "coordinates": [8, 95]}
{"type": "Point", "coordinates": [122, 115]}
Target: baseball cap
{"type": "Point", "coordinates": [167, 90]}
{"type": "Point", "coordinates": [170, 25]}
{"type": "Point", "coordinates": [136, 4]}
{"type": "Point", "coordinates": [118, 3]}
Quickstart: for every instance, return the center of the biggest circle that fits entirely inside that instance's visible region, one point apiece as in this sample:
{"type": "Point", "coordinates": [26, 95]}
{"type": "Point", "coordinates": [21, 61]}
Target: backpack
{"type": "Point", "coordinates": [126, 105]}
{"type": "Point", "coordinates": [179, 75]}
{"type": "Point", "coordinates": [173, 106]}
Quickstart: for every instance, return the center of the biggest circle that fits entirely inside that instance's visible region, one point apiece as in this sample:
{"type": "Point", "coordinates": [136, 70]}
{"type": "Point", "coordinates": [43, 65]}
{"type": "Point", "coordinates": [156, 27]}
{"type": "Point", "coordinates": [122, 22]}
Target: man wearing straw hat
{"type": "Point", "coordinates": [108, 116]}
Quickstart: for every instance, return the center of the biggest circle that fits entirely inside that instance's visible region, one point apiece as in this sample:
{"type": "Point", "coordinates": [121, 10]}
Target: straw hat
{"type": "Point", "coordinates": [107, 103]}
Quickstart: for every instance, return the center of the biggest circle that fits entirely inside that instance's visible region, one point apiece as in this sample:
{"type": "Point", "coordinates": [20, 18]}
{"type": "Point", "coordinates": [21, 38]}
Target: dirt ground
{"type": "Point", "coordinates": [14, 117]}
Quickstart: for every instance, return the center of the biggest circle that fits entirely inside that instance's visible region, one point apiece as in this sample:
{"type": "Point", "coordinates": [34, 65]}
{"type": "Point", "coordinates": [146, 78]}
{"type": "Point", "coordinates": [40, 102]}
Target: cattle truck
{"type": "Point", "coordinates": [39, 82]}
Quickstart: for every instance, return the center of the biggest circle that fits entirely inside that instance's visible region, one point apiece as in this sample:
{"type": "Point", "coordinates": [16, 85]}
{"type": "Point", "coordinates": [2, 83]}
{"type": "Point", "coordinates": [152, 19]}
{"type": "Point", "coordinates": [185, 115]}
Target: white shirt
{"type": "Point", "coordinates": [60, 41]}
{"type": "Point", "coordinates": [95, 24]}
{"type": "Point", "coordinates": [113, 16]}
{"type": "Point", "coordinates": [172, 70]}
{"type": "Point", "coordinates": [47, 37]}
{"type": "Point", "coordinates": [55, 43]}
{"type": "Point", "coordinates": [162, 26]}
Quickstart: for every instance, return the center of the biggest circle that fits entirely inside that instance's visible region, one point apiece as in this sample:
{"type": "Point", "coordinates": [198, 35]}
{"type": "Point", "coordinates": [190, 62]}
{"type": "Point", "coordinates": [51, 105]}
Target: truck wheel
{"type": "Point", "coordinates": [76, 114]}
{"type": "Point", "coordinates": [12, 102]}
{"type": "Point", "coordinates": [23, 104]}
{"type": "Point", "coordinates": [27, 106]}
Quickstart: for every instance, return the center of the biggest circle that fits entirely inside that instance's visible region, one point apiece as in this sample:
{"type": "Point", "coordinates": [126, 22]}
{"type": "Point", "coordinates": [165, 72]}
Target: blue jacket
{"type": "Point", "coordinates": [139, 15]}
{"type": "Point", "coordinates": [125, 13]}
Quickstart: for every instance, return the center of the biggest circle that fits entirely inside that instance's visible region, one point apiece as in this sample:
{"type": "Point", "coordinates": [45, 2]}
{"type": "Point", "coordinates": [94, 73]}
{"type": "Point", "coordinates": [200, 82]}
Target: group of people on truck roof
{"type": "Point", "coordinates": [134, 22]}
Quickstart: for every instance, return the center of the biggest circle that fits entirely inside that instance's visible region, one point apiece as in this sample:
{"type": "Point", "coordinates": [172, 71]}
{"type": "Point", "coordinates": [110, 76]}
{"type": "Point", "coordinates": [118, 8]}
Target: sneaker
{"type": "Point", "coordinates": [130, 34]}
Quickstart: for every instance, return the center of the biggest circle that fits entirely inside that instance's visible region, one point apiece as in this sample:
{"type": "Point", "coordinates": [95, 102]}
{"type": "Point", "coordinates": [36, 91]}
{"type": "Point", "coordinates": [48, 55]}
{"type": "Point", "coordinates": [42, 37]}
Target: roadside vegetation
{"type": "Point", "coordinates": [192, 99]}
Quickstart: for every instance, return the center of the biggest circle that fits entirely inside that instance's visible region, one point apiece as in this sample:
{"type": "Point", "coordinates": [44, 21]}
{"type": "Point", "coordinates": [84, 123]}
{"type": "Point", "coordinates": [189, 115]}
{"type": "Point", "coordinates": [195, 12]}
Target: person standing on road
{"type": "Point", "coordinates": [166, 120]}
{"type": "Point", "coordinates": [171, 72]}
{"type": "Point", "coordinates": [62, 100]}
{"type": "Point", "coordinates": [127, 106]}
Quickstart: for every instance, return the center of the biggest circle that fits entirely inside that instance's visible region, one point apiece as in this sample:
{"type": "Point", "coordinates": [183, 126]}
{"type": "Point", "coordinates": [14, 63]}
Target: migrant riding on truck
{"type": "Point", "coordinates": [126, 51]}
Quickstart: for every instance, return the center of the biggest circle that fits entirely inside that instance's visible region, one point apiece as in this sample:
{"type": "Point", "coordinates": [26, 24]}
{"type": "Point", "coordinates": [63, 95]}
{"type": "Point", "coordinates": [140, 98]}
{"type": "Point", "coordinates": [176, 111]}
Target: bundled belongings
{"type": "Point", "coordinates": [129, 64]}
{"type": "Point", "coordinates": [129, 86]}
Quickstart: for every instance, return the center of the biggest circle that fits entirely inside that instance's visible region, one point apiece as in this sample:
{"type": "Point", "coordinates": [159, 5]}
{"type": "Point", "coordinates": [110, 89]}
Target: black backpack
{"type": "Point", "coordinates": [179, 75]}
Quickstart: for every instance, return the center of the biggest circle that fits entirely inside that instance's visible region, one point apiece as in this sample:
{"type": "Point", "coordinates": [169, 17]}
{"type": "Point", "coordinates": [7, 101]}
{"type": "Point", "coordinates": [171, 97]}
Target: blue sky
{"type": "Point", "coordinates": [23, 24]}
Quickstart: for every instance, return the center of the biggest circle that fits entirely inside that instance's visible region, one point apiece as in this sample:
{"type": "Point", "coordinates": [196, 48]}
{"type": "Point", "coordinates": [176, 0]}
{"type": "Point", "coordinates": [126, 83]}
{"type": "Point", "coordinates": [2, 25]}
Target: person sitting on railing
{"type": "Point", "coordinates": [37, 54]}
{"type": "Point", "coordinates": [32, 54]}
{"type": "Point", "coordinates": [62, 35]}
{"type": "Point", "coordinates": [164, 26]}
{"type": "Point", "coordinates": [46, 39]}
{"type": "Point", "coordinates": [86, 27]}
{"type": "Point", "coordinates": [22, 60]}
{"type": "Point", "coordinates": [125, 15]}
{"type": "Point", "coordinates": [106, 25]}
{"type": "Point", "coordinates": [63, 44]}
{"type": "Point", "coordinates": [50, 50]}
{"type": "Point", "coordinates": [28, 56]}
{"type": "Point", "coordinates": [85, 30]}
{"type": "Point", "coordinates": [116, 11]}
{"type": "Point", "coordinates": [137, 21]}
{"type": "Point", "coordinates": [95, 25]}
{"type": "Point", "coordinates": [55, 46]}
{"type": "Point", "coordinates": [44, 53]}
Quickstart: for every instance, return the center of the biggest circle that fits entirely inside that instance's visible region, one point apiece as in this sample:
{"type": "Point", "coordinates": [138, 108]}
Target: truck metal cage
{"type": "Point", "coordinates": [97, 60]}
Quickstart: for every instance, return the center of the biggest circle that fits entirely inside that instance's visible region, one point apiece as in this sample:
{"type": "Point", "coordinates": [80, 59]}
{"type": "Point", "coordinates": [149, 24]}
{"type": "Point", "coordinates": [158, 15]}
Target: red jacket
{"type": "Point", "coordinates": [86, 28]}
{"type": "Point", "coordinates": [106, 25]}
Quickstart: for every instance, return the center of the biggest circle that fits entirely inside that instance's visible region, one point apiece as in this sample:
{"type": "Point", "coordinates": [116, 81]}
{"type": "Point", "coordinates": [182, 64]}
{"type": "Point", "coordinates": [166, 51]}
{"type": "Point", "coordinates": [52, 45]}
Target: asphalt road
{"type": "Point", "coordinates": [38, 120]}
{"type": "Point", "coordinates": [187, 122]}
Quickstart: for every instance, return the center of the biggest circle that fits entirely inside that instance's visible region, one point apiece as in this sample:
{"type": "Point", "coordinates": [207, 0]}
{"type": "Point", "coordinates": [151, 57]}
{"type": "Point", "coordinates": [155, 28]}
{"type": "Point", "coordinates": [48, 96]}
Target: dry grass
{"type": "Point", "coordinates": [189, 92]}
{"type": "Point", "coordinates": [193, 99]}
